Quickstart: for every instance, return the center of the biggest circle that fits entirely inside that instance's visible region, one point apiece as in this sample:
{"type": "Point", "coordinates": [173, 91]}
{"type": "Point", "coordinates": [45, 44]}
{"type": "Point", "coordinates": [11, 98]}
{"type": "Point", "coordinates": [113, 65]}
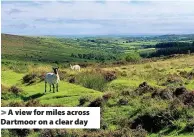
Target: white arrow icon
{"type": "Point", "coordinates": [3, 112]}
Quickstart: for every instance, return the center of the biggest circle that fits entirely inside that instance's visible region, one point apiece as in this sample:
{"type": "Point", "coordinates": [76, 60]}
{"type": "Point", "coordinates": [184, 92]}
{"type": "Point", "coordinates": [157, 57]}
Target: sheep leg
{"type": "Point", "coordinates": [57, 87]}
{"type": "Point", "coordinates": [45, 87]}
{"type": "Point", "coordinates": [53, 88]}
{"type": "Point", "coordinates": [50, 87]}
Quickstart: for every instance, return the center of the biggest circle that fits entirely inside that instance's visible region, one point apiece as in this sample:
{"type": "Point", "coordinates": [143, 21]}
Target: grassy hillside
{"type": "Point", "coordinates": [41, 49]}
{"type": "Point", "coordinates": [68, 96]}
{"type": "Point", "coordinates": [129, 77]}
{"type": "Point", "coordinates": [156, 95]}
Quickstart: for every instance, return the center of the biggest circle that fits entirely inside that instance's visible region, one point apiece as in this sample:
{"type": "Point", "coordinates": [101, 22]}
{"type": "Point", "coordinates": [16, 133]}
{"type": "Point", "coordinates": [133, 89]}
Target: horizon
{"type": "Point", "coordinates": [111, 35]}
{"type": "Point", "coordinates": [89, 18]}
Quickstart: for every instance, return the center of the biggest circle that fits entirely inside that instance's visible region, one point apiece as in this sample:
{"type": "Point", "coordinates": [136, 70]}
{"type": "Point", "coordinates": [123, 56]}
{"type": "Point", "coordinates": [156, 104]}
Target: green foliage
{"type": "Point", "coordinates": [51, 50]}
{"type": "Point", "coordinates": [170, 48]}
{"type": "Point", "coordinates": [125, 101]}
{"type": "Point", "coordinates": [94, 56]}
{"type": "Point", "coordinates": [29, 78]}
{"type": "Point", "coordinates": [91, 79]}
{"type": "Point", "coordinates": [5, 133]}
{"type": "Point", "coordinates": [83, 100]}
{"type": "Point", "coordinates": [68, 94]}
{"type": "Point", "coordinates": [133, 57]}
{"type": "Point", "coordinates": [96, 103]}
{"type": "Point", "coordinates": [15, 90]}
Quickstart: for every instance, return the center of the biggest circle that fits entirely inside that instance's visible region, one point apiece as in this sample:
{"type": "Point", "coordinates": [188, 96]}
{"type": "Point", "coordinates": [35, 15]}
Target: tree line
{"type": "Point", "coordinates": [92, 56]}
{"type": "Point", "coordinates": [169, 48]}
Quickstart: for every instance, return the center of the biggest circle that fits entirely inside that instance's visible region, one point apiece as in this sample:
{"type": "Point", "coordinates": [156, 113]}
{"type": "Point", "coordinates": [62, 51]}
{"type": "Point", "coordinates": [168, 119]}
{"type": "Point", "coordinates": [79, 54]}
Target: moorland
{"type": "Point", "coordinates": [143, 84]}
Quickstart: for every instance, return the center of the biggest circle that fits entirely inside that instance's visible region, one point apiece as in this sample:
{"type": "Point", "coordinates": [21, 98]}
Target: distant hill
{"type": "Point", "coordinates": [40, 49]}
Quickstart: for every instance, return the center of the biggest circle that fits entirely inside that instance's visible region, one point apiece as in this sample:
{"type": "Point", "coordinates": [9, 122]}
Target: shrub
{"type": "Point", "coordinates": [33, 77]}
{"type": "Point", "coordinates": [16, 104]}
{"type": "Point", "coordinates": [107, 96]}
{"type": "Point", "coordinates": [91, 80]}
{"type": "Point", "coordinates": [21, 132]}
{"type": "Point", "coordinates": [62, 75]}
{"type": "Point", "coordinates": [180, 91]}
{"type": "Point", "coordinates": [133, 57]}
{"type": "Point", "coordinates": [164, 94]}
{"type": "Point", "coordinates": [72, 80]}
{"type": "Point", "coordinates": [187, 75]}
{"type": "Point", "coordinates": [19, 67]}
{"type": "Point", "coordinates": [119, 63]}
{"type": "Point", "coordinates": [83, 100]}
{"type": "Point", "coordinates": [33, 103]}
{"type": "Point", "coordinates": [30, 78]}
{"type": "Point", "coordinates": [41, 77]}
{"type": "Point", "coordinates": [103, 124]}
{"type": "Point", "coordinates": [124, 73]}
{"type": "Point", "coordinates": [55, 133]}
{"type": "Point", "coordinates": [123, 101]}
{"type": "Point", "coordinates": [5, 133]}
{"type": "Point", "coordinates": [109, 75]}
{"type": "Point", "coordinates": [4, 88]}
{"type": "Point", "coordinates": [15, 90]}
{"type": "Point", "coordinates": [151, 123]}
{"type": "Point", "coordinates": [183, 74]}
{"type": "Point", "coordinates": [48, 133]}
{"type": "Point", "coordinates": [96, 103]}
{"type": "Point", "coordinates": [187, 98]}
{"type": "Point", "coordinates": [191, 74]}
{"type": "Point", "coordinates": [189, 127]}
{"type": "Point", "coordinates": [127, 92]}
{"type": "Point", "coordinates": [173, 79]}
{"type": "Point", "coordinates": [140, 132]}
{"type": "Point", "coordinates": [145, 88]}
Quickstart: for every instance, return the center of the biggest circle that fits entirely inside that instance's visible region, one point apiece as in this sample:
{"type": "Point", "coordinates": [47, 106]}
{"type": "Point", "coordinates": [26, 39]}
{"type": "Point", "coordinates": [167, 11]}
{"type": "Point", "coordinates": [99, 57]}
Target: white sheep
{"type": "Point", "coordinates": [75, 67]}
{"type": "Point", "coordinates": [52, 79]}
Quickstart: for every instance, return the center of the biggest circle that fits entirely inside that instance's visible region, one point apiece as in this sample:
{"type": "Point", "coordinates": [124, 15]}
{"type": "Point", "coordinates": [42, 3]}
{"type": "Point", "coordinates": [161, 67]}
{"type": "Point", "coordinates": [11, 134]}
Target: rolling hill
{"type": "Point", "coordinates": [156, 94]}
{"type": "Point", "coordinates": [41, 49]}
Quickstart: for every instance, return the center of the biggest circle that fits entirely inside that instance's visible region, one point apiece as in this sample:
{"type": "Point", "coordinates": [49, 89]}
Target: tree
{"type": "Point", "coordinates": [132, 57]}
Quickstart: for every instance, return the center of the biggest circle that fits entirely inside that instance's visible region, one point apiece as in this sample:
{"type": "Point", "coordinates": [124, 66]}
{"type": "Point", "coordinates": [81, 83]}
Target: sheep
{"type": "Point", "coordinates": [75, 67]}
{"type": "Point", "coordinates": [52, 79]}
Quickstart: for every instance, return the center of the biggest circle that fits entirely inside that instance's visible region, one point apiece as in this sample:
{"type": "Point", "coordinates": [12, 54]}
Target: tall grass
{"type": "Point", "coordinates": [91, 79]}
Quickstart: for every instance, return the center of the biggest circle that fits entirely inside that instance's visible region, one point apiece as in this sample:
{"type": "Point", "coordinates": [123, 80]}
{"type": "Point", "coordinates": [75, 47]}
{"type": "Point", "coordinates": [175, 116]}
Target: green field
{"type": "Point", "coordinates": [41, 49]}
{"type": "Point", "coordinates": [116, 88]}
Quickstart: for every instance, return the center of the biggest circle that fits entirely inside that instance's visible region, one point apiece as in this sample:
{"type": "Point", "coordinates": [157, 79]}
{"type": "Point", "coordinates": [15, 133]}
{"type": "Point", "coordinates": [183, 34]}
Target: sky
{"type": "Point", "coordinates": [97, 17]}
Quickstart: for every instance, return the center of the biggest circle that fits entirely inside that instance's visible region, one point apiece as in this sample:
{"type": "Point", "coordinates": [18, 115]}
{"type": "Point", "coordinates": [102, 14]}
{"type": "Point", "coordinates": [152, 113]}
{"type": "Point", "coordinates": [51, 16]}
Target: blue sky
{"type": "Point", "coordinates": [98, 17]}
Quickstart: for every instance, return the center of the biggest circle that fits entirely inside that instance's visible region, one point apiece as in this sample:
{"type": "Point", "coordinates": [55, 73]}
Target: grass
{"type": "Point", "coordinates": [155, 135]}
{"type": "Point", "coordinates": [91, 80]}
{"type": "Point", "coordinates": [16, 64]}
{"type": "Point", "coordinates": [40, 49]}
{"type": "Point", "coordinates": [68, 94]}
{"type": "Point", "coordinates": [154, 73]}
{"type": "Point", "coordinates": [10, 78]}
{"type": "Point", "coordinates": [123, 83]}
